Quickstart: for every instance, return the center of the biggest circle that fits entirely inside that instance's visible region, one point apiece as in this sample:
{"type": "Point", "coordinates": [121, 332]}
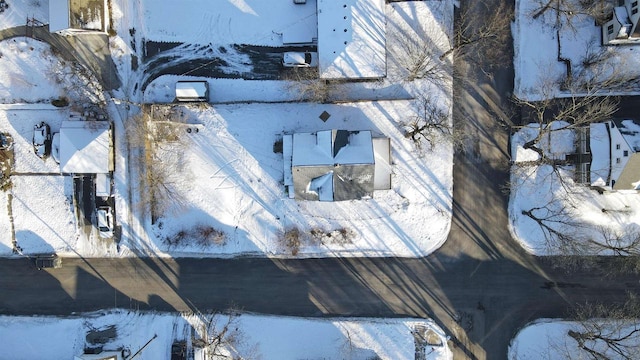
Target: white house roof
{"type": "Point", "coordinates": [351, 39]}
{"type": "Point", "coordinates": [58, 15]}
{"type": "Point", "coordinates": [321, 148]}
{"type": "Point", "coordinates": [84, 147]}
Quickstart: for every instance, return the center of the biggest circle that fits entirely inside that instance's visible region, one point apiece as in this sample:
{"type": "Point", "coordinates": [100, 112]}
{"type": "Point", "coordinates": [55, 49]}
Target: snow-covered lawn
{"type": "Point", "coordinates": [19, 10]}
{"type": "Point", "coordinates": [573, 210]}
{"type": "Point", "coordinates": [230, 178]}
{"type": "Point", "coordinates": [27, 67]}
{"type": "Point", "coordinates": [249, 336]}
{"type": "Point", "coordinates": [536, 53]}
{"type": "Point", "coordinates": [43, 214]}
{"type": "Point", "coordinates": [549, 339]}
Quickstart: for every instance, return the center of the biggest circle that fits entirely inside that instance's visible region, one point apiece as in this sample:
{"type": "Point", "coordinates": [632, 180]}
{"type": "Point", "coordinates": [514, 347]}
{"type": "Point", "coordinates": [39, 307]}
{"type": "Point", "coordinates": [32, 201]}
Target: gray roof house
{"type": "Point", "coordinates": [622, 27]}
{"type": "Point", "coordinates": [615, 155]}
{"type": "Point", "coordinates": [335, 165]}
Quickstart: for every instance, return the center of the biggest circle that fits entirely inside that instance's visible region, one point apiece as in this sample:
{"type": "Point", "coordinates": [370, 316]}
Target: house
{"type": "Point", "coordinates": [350, 35]}
{"type": "Point", "coordinates": [335, 165]}
{"type": "Point", "coordinates": [615, 155]}
{"type": "Point", "coordinates": [622, 28]}
{"type": "Point", "coordinates": [351, 39]}
{"type": "Point", "coordinates": [85, 147]}
{"type": "Point", "coordinates": [78, 15]}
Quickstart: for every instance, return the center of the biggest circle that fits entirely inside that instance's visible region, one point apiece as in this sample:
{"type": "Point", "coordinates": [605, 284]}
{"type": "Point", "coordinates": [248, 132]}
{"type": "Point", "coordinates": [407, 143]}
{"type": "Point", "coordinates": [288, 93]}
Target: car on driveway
{"type": "Point", "coordinates": [300, 59]}
{"type": "Point", "coordinates": [105, 222]}
{"type": "Point", "coordinates": [42, 139]}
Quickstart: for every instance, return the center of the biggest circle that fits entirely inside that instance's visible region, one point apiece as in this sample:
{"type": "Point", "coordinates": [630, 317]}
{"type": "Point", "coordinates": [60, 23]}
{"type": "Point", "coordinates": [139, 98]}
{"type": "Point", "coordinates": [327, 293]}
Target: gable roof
{"type": "Point", "coordinates": [84, 147]}
{"type": "Point", "coordinates": [615, 148]}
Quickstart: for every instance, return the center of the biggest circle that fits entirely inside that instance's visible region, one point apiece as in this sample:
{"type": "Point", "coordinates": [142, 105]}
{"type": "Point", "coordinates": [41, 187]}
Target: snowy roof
{"type": "Point", "coordinates": [333, 165]}
{"type": "Point", "coordinates": [351, 39]}
{"type": "Point", "coordinates": [191, 89]}
{"type": "Point", "coordinates": [84, 147]}
{"type": "Point", "coordinates": [332, 147]}
{"type": "Point", "coordinates": [613, 146]}
{"type": "Point", "coordinates": [599, 144]}
{"type": "Point", "coordinates": [621, 15]}
{"type": "Point", "coordinates": [58, 15]}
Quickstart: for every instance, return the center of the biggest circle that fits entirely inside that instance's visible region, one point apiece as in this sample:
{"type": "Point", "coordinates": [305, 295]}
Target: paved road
{"type": "Point", "coordinates": [489, 298]}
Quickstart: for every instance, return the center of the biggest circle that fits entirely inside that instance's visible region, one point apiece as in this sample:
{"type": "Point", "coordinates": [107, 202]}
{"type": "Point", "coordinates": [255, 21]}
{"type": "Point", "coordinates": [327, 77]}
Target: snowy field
{"type": "Point", "coordinates": [548, 339]}
{"type": "Point", "coordinates": [249, 336]}
{"type": "Point", "coordinates": [19, 10]}
{"type": "Point", "coordinates": [231, 179]}
{"type": "Point", "coordinates": [565, 207]}
{"type": "Point", "coordinates": [537, 69]}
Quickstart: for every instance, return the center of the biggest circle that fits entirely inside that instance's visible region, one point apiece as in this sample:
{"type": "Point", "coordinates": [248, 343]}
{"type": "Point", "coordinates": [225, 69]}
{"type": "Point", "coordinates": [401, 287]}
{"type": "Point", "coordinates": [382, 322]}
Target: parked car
{"type": "Point", "coordinates": [48, 261]}
{"type": "Point", "coordinates": [105, 222]}
{"type": "Point", "coordinates": [55, 147]}
{"type": "Point", "coordinates": [42, 139]}
{"type": "Point", "coordinates": [300, 59]}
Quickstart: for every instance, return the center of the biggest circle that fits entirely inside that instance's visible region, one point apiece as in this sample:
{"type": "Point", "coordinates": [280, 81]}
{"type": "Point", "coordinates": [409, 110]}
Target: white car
{"type": "Point", "coordinates": [55, 147]}
{"type": "Point", "coordinates": [300, 59]}
{"type": "Point", "coordinates": [42, 139]}
{"type": "Point", "coordinates": [105, 222]}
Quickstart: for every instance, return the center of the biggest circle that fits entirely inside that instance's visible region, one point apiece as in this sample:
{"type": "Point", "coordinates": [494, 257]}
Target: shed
{"type": "Point", "coordinates": [85, 147]}
{"type": "Point", "coordinates": [192, 91]}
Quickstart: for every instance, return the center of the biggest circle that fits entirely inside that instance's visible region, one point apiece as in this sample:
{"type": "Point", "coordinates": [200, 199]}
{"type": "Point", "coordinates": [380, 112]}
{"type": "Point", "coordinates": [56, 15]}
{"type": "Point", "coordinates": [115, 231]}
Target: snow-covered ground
{"type": "Point", "coordinates": [229, 177]}
{"type": "Point", "coordinates": [549, 339]}
{"type": "Point", "coordinates": [231, 180]}
{"type": "Point", "coordinates": [249, 336]}
{"type": "Point", "coordinates": [19, 10]}
{"type": "Point", "coordinates": [573, 210]}
{"type": "Point", "coordinates": [537, 69]}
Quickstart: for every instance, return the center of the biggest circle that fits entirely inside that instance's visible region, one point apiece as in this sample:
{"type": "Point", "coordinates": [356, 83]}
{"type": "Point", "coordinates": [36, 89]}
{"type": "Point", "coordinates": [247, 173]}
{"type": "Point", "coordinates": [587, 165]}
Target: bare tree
{"type": "Point", "coordinates": [159, 138]}
{"type": "Point", "coordinates": [306, 84]}
{"type": "Point", "coordinates": [557, 221]}
{"type": "Point", "coordinates": [564, 11]}
{"type": "Point", "coordinates": [607, 331]}
{"type": "Point", "coordinates": [612, 242]}
{"type": "Point", "coordinates": [482, 30]}
{"type": "Point", "coordinates": [220, 336]}
{"type": "Point", "coordinates": [431, 123]}
{"type": "Point", "coordinates": [417, 51]}
{"type": "Point", "coordinates": [573, 112]}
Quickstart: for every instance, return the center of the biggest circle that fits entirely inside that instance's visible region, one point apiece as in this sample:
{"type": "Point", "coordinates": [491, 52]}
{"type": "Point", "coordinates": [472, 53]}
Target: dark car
{"type": "Point", "coordinates": [42, 139]}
